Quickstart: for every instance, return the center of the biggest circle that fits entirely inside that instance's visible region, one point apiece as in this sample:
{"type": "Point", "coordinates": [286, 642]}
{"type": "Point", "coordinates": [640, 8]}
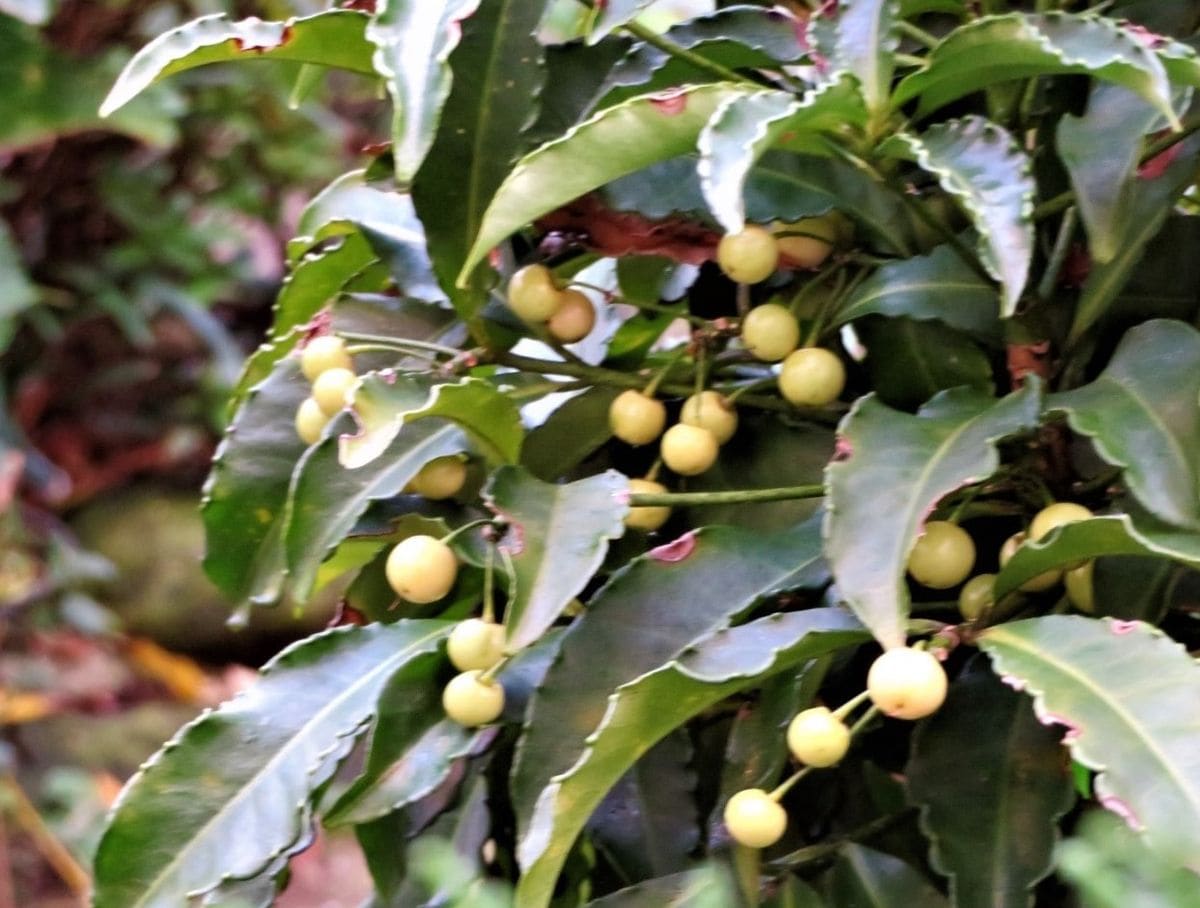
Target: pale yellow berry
{"type": "Point", "coordinates": [322, 354]}
{"type": "Point", "coordinates": [907, 683]}
{"type": "Point", "coordinates": [688, 450]}
{"type": "Point", "coordinates": [332, 388]}
{"type": "Point", "coordinates": [310, 421]}
{"type": "Point", "coordinates": [711, 410]}
{"type": "Point", "coordinates": [421, 569]}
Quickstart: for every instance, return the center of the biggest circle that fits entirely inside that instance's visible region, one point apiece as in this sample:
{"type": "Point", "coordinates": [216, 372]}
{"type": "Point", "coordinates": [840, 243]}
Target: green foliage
{"type": "Point", "coordinates": [650, 673]}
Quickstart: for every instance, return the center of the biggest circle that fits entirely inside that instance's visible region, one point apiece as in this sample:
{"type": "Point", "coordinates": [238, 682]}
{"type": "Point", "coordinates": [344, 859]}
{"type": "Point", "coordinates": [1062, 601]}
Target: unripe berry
{"type": "Point", "coordinates": [574, 319]}
{"type": "Point", "coordinates": [475, 644]}
{"type": "Point", "coordinates": [688, 450]}
{"type": "Point", "coordinates": [331, 389]}
{"type": "Point", "coordinates": [1081, 590]}
{"type": "Point", "coordinates": [816, 737]}
{"type": "Point", "coordinates": [442, 477]}
{"type": "Point", "coordinates": [977, 596]}
{"type": "Point", "coordinates": [754, 819]}
{"type": "Point", "coordinates": [770, 332]}
{"type": "Point", "coordinates": [635, 418]}
{"type": "Point", "coordinates": [942, 556]}
{"type": "Point", "coordinates": [532, 294]}
{"type": "Point", "coordinates": [748, 257]}
{"type": "Point", "coordinates": [812, 242]}
{"type": "Point", "coordinates": [1036, 584]}
{"type": "Point", "coordinates": [421, 569]}
{"type": "Point", "coordinates": [711, 410]}
{"type": "Point", "coordinates": [907, 683]}
{"type": "Point", "coordinates": [470, 701]}
{"type": "Point", "coordinates": [1056, 515]}
{"type": "Point", "coordinates": [647, 519]}
{"type": "Point", "coordinates": [322, 354]}
{"type": "Point", "coordinates": [812, 377]}
{"type": "Point", "coordinates": [310, 421]}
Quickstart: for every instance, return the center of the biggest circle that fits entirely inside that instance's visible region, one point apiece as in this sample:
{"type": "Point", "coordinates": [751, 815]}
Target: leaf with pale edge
{"type": "Point", "coordinates": [642, 711]}
{"type": "Point", "coordinates": [556, 539]}
{"type": "Point", "coordinates": [865, 38]}
{"type": "Point", "coordinates": [231, 792]}
{"type": "Point", "coordinates": [993, 827]}
{"type": "Point", "coordinates": [1127, 695]}
{"type": "Point", "coordinates": [1142, 416]}
{"type": "Point", "coordinates": [864, 876]}
{"type": "Point", "coordinates": [612, 14]}
{"type": "Point", "coordinates": [413, 40]}
{"type": "Point", "coordinates": [985, 170]}
{"type": "Point", "coordinates": [332, 38]}
{"type": "Point", "coordinates": [704, 887]}
{"type": "Point", "coordinates": [899, 467]}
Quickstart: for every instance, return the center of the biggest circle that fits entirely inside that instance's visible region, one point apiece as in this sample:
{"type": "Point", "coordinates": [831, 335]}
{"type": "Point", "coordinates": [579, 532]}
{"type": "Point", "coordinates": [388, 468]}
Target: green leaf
{"type": "Point", "coordinates": [1152, 203]}
{"type": "Point", "coordinates": [865, 38]}
{"type": "Point", "coordinates": [1117, 534]}
{"type": "Point", "coordinates": [993, 828]}
{"type": "Point", "coordinates": [934, 287]}
{"type": "Point", "coordinates": [642, 711]}
{"type": "Point", "coordinates": [612, 14]}
{"type": "Point", "coordinates": [316, 279]}
{"type": "Point", "coordinates": [704, 887]}
{"type": "Point", "coordinates": [17, 292]}
{"type": "Point", "coordinates": [247, 490]}
{"type": "Point", "coordinates": [413, 40]}
{"type": "Point", "coordinates": [326, 499]}
{"type": "Point", "coordinates": [611, 144]}
{"type": "Point", "coordinates": [481, 133]}
{"type": "Point", "coordinates": [743, 127]}
{"type": "Point", "coordinates": [984, 169]}
{"type": "Point", "coordinates": [231, 792]}
{"type": "Point", "coordinates": [864, 876]}
{"type": "Point", "coordinates": [1124, 692]}
{"type": "Point", "coordinates": [898, 467]}
{"type": "Point", "coordinates": [909, 362]}
{"type": "Point", "coordinates": [1101, 151]}
{"type": "Point", "coordinates": [384, 406]}
{"type": "Point", "coordinates": [570, 434]}
{"type": "Point", "coordinates": [332, 38]}
{"type": "Point", "coordinates": [575, 75]}
{"type": "Point", "coordinates": [1020, 46]}
{"type": "Point", "coordinates": [1142, 416]}
{"type": "Point", "coordinates": [556, 539]}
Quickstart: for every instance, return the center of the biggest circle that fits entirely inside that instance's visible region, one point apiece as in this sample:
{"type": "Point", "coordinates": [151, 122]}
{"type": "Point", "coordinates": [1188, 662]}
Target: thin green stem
{"type": "Point", "coordinates": [851, 705]}
{"type": "Point", "coordinates": [863, 721]}
{"type": "Point", "coordinates": [787, 784]}
{"type": "Point", "coordinates": [747, 863]}
{"type": "Point", "coordinates": [813, 854]}
{"type": "Point", "coordinates": [662, 373]}
{"type": "Point", "coordinates": [489, 585]}
{"type": "Point", "coordinates": [668, 46]}
{"type": "Point", "coordinates": [355, 349]}
{"type": "Point", "coordinates": [1058, 256]}
{"type": "Point", "coordinates": [458, 531]}
{"type": "Point", "coordinates": [734, 496]}
{"type": "Point", "coordinates": [646, 307]}
{"type": "Point", "coordinates": [917, 34]}
{"type": "Point", "coordinates": [399, 343]}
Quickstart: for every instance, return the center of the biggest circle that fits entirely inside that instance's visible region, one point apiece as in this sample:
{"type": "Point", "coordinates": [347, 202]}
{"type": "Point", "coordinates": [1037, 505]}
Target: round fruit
{"type": "Point", "coordinates": [1037, 584]}
{"type": "Point", "coordinates": [635, 418]}
{"type": "Point", "coordinates": [442, 477]}
{"type": "Point", "coordinates": [942, 556]}
{"type": "Point", "coordinates": [750, 256]}
{"type": "Point", "coordinates": [1081, 591]}
{"type": "Point", "coordinates": [470, 701]}
{"type": "Point", "coordinates": [421, 569]}
{"type": "Point", "coordinates": [1056, 515]}
{"type": "Point", "coordinates": [647, 519]}
{"type": "Point", "coordinates": [711, 410]}
{"type": "Point", "coordinates": [688, 450]}
{"type": "Point", "coordinates": [574, 319]}
{"type": "Point", "coordinates": [310, 421]}
{"type": "Point", "coordinates": [812, 377]}
{"type": "Point", "coordinates": [331, 388]}
{"type": "Point", "coordinates": [977, 596]}
{"type": "Point", "coordinates": [322, 354]}
{"type": "Point", "coordinates": [532, 294]}
{"type": "Point", "coordinates": [907, 683]}
{"type": "Point", "coordinates": [475, 644]}
{"type": "Point", "coordinates": [816, 737]}
{"type": "Point", "coordinates": [770, 332]}
{"type": "Point", "coordinates": [811, 242]}
{"type": "Point", "coordinates": [754, 818]}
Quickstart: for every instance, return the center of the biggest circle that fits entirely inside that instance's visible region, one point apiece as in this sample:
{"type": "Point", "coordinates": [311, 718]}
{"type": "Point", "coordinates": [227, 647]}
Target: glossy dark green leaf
{"type": "Point", "coordinates": [609, 145]}
{"type": "Point", "coordinates": [570, 434]}
{"type": "Point", "coordinates": [1124, 691]}
{"type": "Point", "coordinates": [642, 711]}
{"type": "Point", "coordinates": [910, 361]}
{"type": "Point", "coordinates": [897, 467]}
{"type": "Point", "coordinates": [1142, 416]}
{"type": "Point", "coordinates": [556, 539]}
{"type": "Point", "coordinates": [576, 74]}
{"type": "Point", "coordinates": [704, 887]}
{"type": "Point", "coordinates": [413, 40]}
{"type": "Point", "coordinates": [647, 824]}
{"type": "Point", "coordinates": [992, 782]}
{"type": "Point", "coordinates": [934, 287]}
{"type": "Point", "coordinates": [998, 49]}
{"type": "Point", "coordinates": [865, 38]}
{"type": "Point", "coordinates": [871, 879]}
{"type": "Point", "coordinates": [231, 792]}
{"type": "Point", "coordinates": [481, 134]}
{"type": "Point", "coordinates": [246, 494]}
{"type": "Point", "coordinates": [981, 165]}
{"type": "Point", "coordinates": [332, 38]}
{"type": "Point", "coordinates": [316, 279]}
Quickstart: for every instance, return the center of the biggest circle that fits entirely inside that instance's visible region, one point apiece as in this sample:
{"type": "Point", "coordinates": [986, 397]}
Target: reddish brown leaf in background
{"type": "Point", "coordinates": [616, 233]}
